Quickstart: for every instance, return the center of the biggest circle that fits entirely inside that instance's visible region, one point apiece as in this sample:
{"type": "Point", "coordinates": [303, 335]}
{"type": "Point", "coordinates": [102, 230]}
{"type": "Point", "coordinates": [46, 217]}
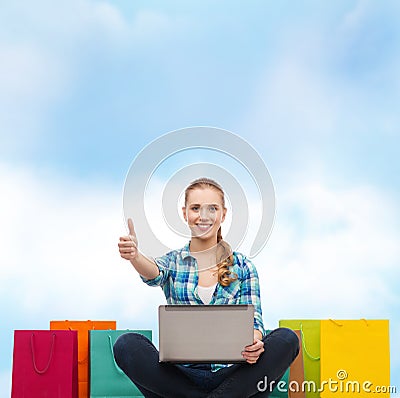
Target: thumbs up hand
{"type": "Point", "coordinates": [128, 245]}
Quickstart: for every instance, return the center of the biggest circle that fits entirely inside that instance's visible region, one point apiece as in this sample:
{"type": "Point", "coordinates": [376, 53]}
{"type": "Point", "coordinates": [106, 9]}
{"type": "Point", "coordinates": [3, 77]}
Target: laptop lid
{"type": "Point", "coordinates": [205, 333]}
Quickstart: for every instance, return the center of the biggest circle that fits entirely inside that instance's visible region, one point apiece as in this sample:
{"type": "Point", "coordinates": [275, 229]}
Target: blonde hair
{"type": "Point", "coordinates": [224, 250]}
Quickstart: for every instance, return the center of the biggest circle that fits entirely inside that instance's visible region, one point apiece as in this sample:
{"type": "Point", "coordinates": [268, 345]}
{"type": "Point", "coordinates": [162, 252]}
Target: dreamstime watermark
{"type": "Point", "coordinates": [151, 157]}
{"type": "Point", "coordinates": [340, 385]}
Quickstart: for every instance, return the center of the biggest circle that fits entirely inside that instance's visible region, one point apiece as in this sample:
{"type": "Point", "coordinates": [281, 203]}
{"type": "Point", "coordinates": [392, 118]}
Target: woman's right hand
{"type": "Point", "coordinates": [128, 245]}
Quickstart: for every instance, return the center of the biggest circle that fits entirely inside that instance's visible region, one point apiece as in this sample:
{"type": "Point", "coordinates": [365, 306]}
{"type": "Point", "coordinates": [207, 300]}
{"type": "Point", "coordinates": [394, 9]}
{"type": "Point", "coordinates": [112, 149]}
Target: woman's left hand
{"type": "Point", "coordinates": [252, 352]}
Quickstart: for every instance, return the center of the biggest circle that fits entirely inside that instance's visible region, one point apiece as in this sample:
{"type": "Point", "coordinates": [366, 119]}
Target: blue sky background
{"type": "Point", "coordinates": [85, 85]}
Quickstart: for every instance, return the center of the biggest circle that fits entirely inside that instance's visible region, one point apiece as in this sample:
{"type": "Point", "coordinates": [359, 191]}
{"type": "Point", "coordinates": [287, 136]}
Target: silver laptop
{"type": "Point", "coordinates": [204, 333]}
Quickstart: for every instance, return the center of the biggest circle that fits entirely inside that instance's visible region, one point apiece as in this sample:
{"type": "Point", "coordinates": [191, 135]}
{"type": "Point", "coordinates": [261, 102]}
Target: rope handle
{"type": "Point", "coordinates": [112, 356]}
{"type": "Point", "coordinates": [50, 357]}
{"type": "Point", "coordinates": [341, 324]}
{"type": "Point", "coordinates": [303, 342]}
{"type": "Point", "coordinates": [93, 327]}
{"type": "Point", "coordinates": [82, 361]}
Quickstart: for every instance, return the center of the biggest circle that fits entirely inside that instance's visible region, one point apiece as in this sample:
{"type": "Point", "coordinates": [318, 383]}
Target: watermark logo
{"type": "Point", "coordinates": [342, 384]}
{"type": "Point", "coordinates": [341, 374]}
{"type": "Point", "coordinates": [211, 140]}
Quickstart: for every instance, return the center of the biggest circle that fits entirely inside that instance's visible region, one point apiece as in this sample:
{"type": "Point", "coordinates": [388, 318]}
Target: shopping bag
{"type": "Point", "coordinates": [44, 364]}
{"type": "Point", "coordinates": [83, 327]}
{"type": "Point", "coordinates": [355, 356]}
{"type": "Point", "coordinates": [281, 388]}
{"type": "Point", "coordinates": [106, 378]}
{"type": "Point", "coordinates": [310, 342]}
{"type": "Point", "coordinates": [296, 379]}
{"type": "Point", "coordinates": [291, 383]}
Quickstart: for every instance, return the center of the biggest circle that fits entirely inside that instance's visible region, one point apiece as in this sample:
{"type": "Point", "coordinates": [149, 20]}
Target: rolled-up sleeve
{"type": "Point", "coordinates": [250, 293]}
{"type": "Point", "coordinates": [163, 266]}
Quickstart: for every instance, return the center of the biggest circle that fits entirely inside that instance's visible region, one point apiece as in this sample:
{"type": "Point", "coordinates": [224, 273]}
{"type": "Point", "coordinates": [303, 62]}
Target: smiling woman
{"type": "Point", "coordinates": [205, 211]}
{"type": "Point", "coordinates": [204, 271]}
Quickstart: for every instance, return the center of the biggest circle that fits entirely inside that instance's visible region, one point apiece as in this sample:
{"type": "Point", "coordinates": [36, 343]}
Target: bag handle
{"type": "Point", "coordinates": [112, 356]}
{"type": "Point", "coordinates": [341, 324]}
{"type": "Point", "coordinates": [80, 361]}
{"type": "Point", "coordinates": [93, 327]}
{"type": "Point", "coordinates": [50, 357]}
{"type": "Point", "coordinates": [303, 342]}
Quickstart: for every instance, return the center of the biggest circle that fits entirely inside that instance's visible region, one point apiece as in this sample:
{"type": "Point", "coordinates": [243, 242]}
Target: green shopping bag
{"type": "Point", "coordinates": [281, 388]}
{"type": "Point", "coordinates": [310, 337]}
{"type": "Point", "coordinates": [106, 378]}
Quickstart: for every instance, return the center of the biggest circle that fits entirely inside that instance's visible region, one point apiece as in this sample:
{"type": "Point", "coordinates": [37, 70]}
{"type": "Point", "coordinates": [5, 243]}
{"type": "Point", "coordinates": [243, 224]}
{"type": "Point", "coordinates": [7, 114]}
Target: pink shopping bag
{"type": "Point", "coordinates": [45, 364]}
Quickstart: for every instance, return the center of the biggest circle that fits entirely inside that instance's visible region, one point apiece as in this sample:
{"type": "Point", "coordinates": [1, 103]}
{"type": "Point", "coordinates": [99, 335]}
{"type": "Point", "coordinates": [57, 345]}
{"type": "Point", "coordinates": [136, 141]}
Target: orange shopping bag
{"type": "Point", "coordinates": [83, 327]}
{"type": "Point", "coordinates": [296, 379]}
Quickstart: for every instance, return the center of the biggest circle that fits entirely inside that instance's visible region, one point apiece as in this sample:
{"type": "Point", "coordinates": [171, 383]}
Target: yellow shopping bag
{"type": "Point", "coordinates": [355, 359]}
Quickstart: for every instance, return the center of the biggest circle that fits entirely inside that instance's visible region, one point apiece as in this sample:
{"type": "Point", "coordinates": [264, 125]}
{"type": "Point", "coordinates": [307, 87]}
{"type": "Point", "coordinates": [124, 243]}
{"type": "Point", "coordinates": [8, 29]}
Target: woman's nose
{"type": "Point", "coordinates": [204, 213]}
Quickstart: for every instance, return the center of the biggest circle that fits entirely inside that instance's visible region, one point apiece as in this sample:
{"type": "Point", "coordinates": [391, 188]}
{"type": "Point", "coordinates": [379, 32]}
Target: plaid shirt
{"type": "Point", "coordinates": [179, 279]}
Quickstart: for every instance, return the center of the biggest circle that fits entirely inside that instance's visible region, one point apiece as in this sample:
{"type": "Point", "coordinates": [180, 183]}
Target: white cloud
{"type": "Point", "coordinates": [355, 17]}
{"type": "Point", "coordinates": [39, 60]}
{"type": "Point", "coordinates": [44, 55]}
{"type": "Point", "coordinates": [333, 252]}
{"type": "Point", "coordinates": [31, 79]}
{"type": "Point", "coordinates": [328, 84]}
{"type": "Point", "coordinates": [294, 101]}
{"type": "Point", "coordinates": [109, 18]}
{"type": "Point", "coordinates": [5, 384]}
{"type": "Point", "coordinates": [61, 250]}
{"type": "Point", "coordinates": [149, 23]}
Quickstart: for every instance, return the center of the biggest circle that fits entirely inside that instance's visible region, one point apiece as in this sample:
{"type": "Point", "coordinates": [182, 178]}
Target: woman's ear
{"type": "Point", "coordinates": [223, 214]}
{"type": "Point", "coordinates": [184, 213]}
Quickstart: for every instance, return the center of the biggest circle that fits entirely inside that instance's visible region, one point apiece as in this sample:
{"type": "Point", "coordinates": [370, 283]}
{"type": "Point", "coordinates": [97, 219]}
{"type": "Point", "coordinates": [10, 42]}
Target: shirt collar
{"type": "Point", "coordinates": [185, 251]}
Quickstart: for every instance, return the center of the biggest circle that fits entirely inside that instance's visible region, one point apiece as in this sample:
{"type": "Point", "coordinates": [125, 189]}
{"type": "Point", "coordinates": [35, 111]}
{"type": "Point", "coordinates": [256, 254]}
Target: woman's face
{"type": "Point", "coordinates": [204, 212]}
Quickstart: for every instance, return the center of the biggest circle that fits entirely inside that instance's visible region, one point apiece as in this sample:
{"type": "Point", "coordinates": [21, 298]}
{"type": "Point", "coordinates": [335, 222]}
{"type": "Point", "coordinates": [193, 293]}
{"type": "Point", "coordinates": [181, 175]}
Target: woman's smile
{"type": "Point", "coordinates": [204, 226]}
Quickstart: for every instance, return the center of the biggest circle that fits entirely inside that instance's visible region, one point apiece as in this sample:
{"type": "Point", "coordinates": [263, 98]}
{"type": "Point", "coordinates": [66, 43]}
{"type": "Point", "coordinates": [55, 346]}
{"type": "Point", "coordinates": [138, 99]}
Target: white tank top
{"type": "Point", "coordinates": [206, 293]}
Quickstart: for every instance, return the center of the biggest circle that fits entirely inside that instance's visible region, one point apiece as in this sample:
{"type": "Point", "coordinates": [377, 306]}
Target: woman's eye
{"type": "Point", "coordinates": [212, 209]}
{"type": "Point", "coordinates": [195, 208]}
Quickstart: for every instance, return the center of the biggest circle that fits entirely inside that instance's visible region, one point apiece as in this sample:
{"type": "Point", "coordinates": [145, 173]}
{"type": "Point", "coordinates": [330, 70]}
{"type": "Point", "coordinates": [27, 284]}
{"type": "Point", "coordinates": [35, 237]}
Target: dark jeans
{"type": "Point", "coordinates": [138, 358]}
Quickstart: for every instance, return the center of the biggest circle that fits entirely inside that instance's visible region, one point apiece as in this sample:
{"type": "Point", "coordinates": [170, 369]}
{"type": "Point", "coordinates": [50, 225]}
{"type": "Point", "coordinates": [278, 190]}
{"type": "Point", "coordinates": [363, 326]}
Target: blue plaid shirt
{"type": "Point", "coordinates": [179, 279]}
